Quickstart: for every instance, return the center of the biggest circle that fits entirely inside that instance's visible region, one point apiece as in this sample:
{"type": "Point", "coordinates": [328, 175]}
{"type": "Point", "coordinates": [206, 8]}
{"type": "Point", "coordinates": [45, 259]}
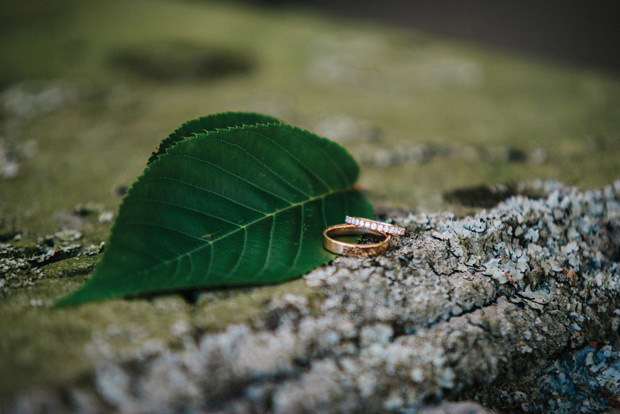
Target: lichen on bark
{"type": "Point", "coordinates": [451, 312]}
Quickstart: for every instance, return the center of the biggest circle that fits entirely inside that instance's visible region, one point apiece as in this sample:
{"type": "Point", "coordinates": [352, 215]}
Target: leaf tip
{"type": "Point", "coordinates": [68, 301]}
{"type": "Point", "coordinates": [85, 294]}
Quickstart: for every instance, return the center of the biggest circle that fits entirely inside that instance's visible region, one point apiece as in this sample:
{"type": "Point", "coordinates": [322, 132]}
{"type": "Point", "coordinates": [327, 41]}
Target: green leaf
{"type": "Point", "coordinates": [245, 205]}
{"type": "Point", "coordinates": [210, 123]}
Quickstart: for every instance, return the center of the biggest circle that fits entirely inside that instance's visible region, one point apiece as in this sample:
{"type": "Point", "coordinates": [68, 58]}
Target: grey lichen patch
{"type": "Point", "coordinates": [10, 164]}
{"type": "Point", "coordinates": [486, 195]}
{"type": "Point", "coordinates": [23, 262]}
{"type": "Point", "coordinates": [584, 380]}
{"type": "Point", "coordinates": [346, 129]}
{"type": "Point", "coordinates": [456, 408]}
{"type": "Point", "coordinates": [266, 306]}
{"type": "Point", "coordinates": [20, 103]}
{"type": "Point", "coordinates": [452, 311]}
{"type": "Point", "coordinates": [423, 152]}
{"type": "Point", "coordinates": [30, 99]}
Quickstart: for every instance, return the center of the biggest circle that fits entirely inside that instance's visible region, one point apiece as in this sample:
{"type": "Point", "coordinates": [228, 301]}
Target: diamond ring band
{"type": "Point", "coordinates": [375, 225]}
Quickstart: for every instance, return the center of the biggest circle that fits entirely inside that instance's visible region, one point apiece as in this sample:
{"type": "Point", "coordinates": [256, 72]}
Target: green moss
{"type": "Point", "coordinates": [71, 267]}
{"type": "Point", "coordinates": [44, 346]}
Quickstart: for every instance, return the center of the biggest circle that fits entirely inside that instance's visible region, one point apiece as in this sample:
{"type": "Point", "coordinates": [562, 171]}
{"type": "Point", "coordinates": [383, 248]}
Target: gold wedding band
{"type": "Point", "coordinates": [375, 225]}
{"type": "Point", "coordinates": [350, 249]}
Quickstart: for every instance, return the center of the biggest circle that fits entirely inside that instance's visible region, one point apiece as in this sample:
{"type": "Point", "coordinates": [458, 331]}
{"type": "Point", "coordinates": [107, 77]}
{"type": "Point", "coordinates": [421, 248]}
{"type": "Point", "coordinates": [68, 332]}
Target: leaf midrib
{"type": "Point", "coordinates": [243, 228]}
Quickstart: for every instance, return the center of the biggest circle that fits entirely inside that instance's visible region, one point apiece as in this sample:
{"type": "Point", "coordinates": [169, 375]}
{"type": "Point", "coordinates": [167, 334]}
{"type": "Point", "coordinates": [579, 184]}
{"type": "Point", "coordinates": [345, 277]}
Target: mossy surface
{"type": "Point", "coordinates": [468, 107]}
{"type": "Point", "coordinates": [44, 346]}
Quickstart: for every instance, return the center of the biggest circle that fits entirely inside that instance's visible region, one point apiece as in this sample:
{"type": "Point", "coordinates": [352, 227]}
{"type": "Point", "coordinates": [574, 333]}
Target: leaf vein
{"type": "Point", "coordinates": [177, 266]}
{"type": "Point", "coordinates": [191, 266]}
{"type": "Point", "coordinates": [264, 165]}
{"type": "Point", "coordinates": [301, 236]}
{"type": "Point", "coordinates": [145, 253]}
{"type": "Point", "coordinates": [153, 200]}
{"type": "Point", "coordinates": [245, 243]}
{"type": "Point", "coordinates": [161, 226]}
{"type": "Point", "coordinates": [328, 156]}
{"type": "Point", "coordinates": [299, 161]}
{"type": "Point", "coordinates": [323, 213]}
{"type": "Point", "coordinates": [210, 266]}
{"type": "Point", "coordinates": [236, 176]}
{"type": "Point", "coordinates": [208, 191]}
{"type": "Point", "coordinates": [269, 246]}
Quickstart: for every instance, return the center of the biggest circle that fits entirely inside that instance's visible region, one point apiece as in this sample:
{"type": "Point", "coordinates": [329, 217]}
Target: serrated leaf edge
{"type": "Point", "coordinates": [155, 155]}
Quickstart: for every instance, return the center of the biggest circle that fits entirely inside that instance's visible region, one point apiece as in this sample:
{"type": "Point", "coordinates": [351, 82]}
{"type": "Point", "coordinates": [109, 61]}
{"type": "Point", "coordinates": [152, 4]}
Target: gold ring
{"type": "Point", "coordinates": [350, 249]}
{"type": "Point", "coordinates": [375, 225]}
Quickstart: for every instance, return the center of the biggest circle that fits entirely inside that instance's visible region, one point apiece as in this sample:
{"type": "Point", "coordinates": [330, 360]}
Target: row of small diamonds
{"type": "Point", "coordinates": [375, 225]}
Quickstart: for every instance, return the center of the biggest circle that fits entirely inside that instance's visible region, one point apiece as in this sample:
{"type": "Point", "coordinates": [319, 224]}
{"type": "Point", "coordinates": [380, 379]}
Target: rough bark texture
{"type": "Point", "coordinates": [516, 307]}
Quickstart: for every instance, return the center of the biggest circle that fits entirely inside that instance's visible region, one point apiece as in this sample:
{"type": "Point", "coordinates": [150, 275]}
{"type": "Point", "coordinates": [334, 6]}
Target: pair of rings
{"type": "Point", "coordinates": [355, 226]}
